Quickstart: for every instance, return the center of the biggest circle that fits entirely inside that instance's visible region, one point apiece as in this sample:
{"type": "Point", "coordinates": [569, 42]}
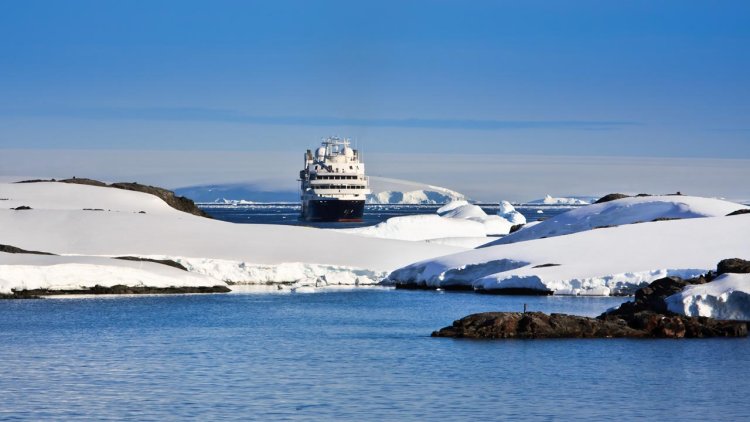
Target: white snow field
{"type": "Point", "coordinates": [235, 253]}
{"type": "Point", "coordinates": [623, 211]}
{"type": "Point", "coordinates": [614, 260]}
{"type": "Point", "coordinates": [457, 219]}
{"type": "Point", "coordinates": [726, 297]}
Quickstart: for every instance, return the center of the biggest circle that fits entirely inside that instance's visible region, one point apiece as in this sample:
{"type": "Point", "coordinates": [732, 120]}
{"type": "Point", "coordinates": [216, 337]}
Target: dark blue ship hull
{"type": "Point", "coordinates": [332, 210]}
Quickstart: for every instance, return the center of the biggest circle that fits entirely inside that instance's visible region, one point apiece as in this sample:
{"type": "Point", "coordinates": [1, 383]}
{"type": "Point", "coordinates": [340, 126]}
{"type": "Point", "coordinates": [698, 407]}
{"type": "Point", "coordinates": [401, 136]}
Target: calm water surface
{"type": "Point", "coordinates": [346, 355]}
{"type": "Point", "coordinates": [288, 214]}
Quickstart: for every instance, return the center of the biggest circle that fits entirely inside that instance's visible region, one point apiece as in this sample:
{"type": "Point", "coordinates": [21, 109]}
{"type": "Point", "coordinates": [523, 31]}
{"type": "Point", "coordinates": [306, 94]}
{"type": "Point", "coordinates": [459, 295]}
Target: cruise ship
{"type": "Point", "coordinates": [333, 183]}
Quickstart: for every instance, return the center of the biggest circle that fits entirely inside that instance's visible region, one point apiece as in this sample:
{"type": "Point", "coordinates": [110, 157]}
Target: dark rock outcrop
{"type": "Point", "coordinates": [645, 317]}
{"type": "Point", "coordinates": [502, 325]}
{"type": "Point", "coordinates": [21, 208]}
{"type": "Point", "coordinates": [515, 228]}
{"type": "Point", "coordinates": [537, 325]}
{"type": "Point", "coordinates": [739, 212]}
{"type": "Point", "coordinates": [180, 203]}
{"type": "Point", "coordinates": [167, 262]}
{"type": "Point", "coordinates": [114, 290]}
{"type": "Point", "coordinates": [733, 265]}
{"type": "Point", "coordinates": [611, 197]}
{"type": "Point", "coordinates": [177, 202]}
{"type": "Point", "coordinates": [13, 249]}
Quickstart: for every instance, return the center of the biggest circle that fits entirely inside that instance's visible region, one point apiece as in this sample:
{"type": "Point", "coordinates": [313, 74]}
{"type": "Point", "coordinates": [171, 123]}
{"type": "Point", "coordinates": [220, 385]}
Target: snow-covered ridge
{"type": "Point", "coordinates": [624, 211]}
{"type": "Point", "coordinates": [61, 221]}
{"type": "Point", "coordinates": [617, 260]}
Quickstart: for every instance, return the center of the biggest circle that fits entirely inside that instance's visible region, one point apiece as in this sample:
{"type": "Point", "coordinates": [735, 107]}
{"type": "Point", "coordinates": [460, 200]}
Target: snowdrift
{"type": "Point", "coordinates": [93, 221]}
{"type": "Point", "coordinates": [615, 260]}
{"type": "Point", "coordinates": [623, 211]}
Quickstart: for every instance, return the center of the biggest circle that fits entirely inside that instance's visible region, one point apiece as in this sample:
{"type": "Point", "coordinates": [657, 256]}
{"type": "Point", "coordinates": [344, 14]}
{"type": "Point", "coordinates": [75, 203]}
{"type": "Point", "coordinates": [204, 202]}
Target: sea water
{"type": "Point", "coordinates": [363, 354]}
{"type": "Point", "coordinates": [288, 213]}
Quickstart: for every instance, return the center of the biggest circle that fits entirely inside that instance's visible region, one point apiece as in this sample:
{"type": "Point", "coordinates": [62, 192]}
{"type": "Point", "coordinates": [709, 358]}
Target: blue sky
{"type": "Point", "coordinates": [573, 78]}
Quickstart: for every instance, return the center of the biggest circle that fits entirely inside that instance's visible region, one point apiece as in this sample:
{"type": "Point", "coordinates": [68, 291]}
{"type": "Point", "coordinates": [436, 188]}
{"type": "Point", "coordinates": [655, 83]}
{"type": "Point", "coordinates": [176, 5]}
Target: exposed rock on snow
{"type": "Point", "coordinates": [611, 197]}
{"type": "Point", "coordinates": [623, 211]}
{"type": "Point", "coordinates": [13, 249]}
{"type": "Point", "coordinates": [179, 203]}
{"type": "Point", "coordinates": [617, 260]}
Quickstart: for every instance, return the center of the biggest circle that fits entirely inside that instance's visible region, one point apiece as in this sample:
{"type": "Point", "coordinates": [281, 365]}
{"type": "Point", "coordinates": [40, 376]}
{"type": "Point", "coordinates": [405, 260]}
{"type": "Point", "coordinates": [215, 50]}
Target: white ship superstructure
{"type": "Point", "coordinates": [333, 183]}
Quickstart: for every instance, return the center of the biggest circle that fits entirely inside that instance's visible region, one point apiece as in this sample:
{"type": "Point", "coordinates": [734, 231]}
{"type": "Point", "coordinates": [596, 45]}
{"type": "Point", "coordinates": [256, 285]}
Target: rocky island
{"type": "Point", "coordinates": [648, 316]}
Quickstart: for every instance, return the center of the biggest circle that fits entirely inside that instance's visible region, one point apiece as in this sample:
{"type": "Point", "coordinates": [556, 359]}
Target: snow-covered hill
{"type": "Point", "coordinates": [79, 220]}
{"type": "Point", "coordinates": [624, 211]}
{"type": "Point", "coordinates": [607, 261]}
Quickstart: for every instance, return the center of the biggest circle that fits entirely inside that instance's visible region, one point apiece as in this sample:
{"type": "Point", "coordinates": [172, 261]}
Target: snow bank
{"type": "Point", "coordinates": [28, 272]}
{"type": "Point", "coordinates": [294, 273]}
{"type": "Point", "coordinates": [59, 224]}
{"type": "Point", "coordinates": [617, 260]}
{"type": "Point", "coordinates": [549, 200]}
{"type": "Point", "coordinates": [726, 297]}
{"type": "Point", "coordinates": [455, 219]}
{"type": "Point", "coordinates": [623, 211]}
{"type": "Point", "coordinates": [421, 227]}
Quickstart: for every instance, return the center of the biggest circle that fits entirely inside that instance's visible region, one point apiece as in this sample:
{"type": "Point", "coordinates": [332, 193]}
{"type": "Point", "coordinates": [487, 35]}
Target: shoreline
{"type": "Point", "coordinates": [113, 290]}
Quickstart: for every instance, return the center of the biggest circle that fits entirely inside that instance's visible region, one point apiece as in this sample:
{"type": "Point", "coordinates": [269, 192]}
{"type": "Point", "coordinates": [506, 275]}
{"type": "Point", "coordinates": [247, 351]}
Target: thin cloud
{"type": "Point", "coordinates": [232, 116]}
